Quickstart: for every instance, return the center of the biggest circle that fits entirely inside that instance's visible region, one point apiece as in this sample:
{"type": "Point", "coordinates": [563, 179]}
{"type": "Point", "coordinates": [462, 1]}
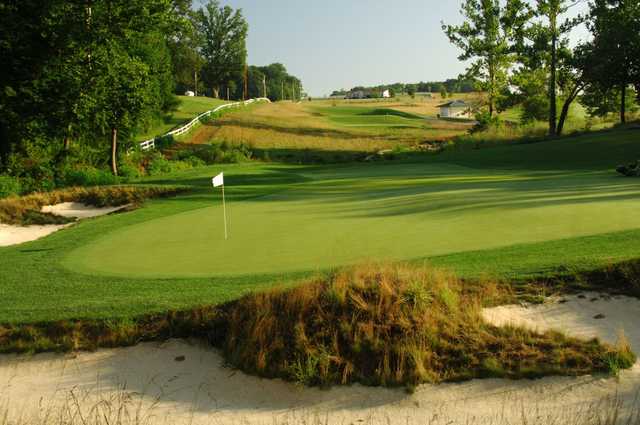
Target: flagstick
{"type": "Point", "coordinates": [224, 209]}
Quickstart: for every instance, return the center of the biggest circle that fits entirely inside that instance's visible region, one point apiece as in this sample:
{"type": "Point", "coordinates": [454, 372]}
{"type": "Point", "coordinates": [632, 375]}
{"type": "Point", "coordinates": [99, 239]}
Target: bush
{"type": "Point", "coordinates": [631, 170]}
{"type": "Point", "coordinates": [9, 186]}
{"type": "Point", "coordinates": [484, 122]}
{"type": "Point", "coordinates": [86, 176]}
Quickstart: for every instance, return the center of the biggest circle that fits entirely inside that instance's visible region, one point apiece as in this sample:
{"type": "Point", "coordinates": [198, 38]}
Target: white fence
{"type": "Point", "coordinates": [151, 144]}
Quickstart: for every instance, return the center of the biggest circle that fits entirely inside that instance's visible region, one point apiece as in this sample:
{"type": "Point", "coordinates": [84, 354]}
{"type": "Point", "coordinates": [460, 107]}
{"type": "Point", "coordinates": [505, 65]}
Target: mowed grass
{"type": "Point", "coordinates": [188, 108]}
{"type": "Point", "coordinates": [512, 211]}
{"type": "Point", "coordinates": [316, 130]}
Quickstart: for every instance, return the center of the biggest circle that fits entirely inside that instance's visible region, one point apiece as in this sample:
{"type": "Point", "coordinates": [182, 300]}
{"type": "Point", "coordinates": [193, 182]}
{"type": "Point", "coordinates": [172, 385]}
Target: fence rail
{"type": "Point", "coordinates": [151, 143]}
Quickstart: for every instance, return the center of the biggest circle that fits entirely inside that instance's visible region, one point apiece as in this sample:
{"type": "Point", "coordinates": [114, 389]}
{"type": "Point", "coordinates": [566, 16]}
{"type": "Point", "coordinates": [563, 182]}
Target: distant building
{"type": "Point", "coordinates": [189, 93]}
{"type": "Point", "coordinates": [455, 109]}
{"type": "Point", "coordinates": [386, 94]}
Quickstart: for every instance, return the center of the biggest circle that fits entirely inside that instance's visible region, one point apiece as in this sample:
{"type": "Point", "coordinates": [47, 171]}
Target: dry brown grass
{"type": "Point", "coordinates": [287, 127]}
{"type": "Point", "coordinates": [26, 209]}
{"type": "Point", "coordinates": [419, 105]}
{"type": "Point", "coordinates": [396, 325]}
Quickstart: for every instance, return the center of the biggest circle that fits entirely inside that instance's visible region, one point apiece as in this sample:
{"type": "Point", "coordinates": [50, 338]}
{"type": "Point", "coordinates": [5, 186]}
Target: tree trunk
{"type": "Point", "coordinates": [216, 92]}
{"type": "Point", "coordinates": [114, 151]}
{"type": "Point", "coordinates": [623, 102]}
{"type": "Point", "coordinates": [66, 142]}
{"type": "Point", "coordinates": [553, 113]}
{"type": "Point", "coordinates": [565, 108]}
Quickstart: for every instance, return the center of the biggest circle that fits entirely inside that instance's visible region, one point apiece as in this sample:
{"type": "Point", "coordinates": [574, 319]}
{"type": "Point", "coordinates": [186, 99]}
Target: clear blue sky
{"type": "Point", "coordinates": [333, 44]}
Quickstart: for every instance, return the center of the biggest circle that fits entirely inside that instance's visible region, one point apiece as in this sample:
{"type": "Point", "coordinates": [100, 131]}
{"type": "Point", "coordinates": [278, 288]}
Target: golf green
{"type": "Point", "coordinates": [392, 211]}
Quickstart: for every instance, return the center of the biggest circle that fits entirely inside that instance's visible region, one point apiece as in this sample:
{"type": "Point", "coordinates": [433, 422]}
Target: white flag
{"type": "Point", "coordinates": [218, 180]}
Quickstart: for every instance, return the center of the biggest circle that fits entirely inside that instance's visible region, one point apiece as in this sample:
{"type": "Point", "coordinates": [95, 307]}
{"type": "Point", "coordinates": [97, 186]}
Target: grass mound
{"type": "Point", "coordinates": [25, 210]}
{"type": "Point", "coordinates": [396, 325]}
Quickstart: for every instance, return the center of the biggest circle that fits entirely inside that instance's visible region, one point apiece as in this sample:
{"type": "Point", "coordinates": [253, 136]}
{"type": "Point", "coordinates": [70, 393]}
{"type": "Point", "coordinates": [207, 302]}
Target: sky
{"type": "Point", "coordinates": [335, 44]}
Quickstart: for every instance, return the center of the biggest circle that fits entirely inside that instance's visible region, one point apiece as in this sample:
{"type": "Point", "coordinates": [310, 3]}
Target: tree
{"type": "Point", "coordinates": [485, 38]}
{"type": "Point", "coordinates": [614, 64]}
{"type": "Point", "coordinates": [224, 33]}
{"type": "Point", "coordinates": [553, 33]}
{"type": "Point", "coordinates": [121, 96]}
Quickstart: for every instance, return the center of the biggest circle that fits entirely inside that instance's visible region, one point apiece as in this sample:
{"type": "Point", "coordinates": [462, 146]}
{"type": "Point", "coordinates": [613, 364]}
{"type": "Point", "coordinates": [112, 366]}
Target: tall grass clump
{"type": "Point", "coordinates": [26, 209]}
{"type": "Point", "coordinates": [393, 325]}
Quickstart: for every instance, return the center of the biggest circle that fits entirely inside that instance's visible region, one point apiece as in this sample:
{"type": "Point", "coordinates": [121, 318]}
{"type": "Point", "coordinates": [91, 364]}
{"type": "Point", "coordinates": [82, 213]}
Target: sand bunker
{"type": "Point", "coordinates": [177, 382]}
{"type": "Point", "coordinates": [13, 235]}
{"type": "Point", "coordinates": [80, 210]}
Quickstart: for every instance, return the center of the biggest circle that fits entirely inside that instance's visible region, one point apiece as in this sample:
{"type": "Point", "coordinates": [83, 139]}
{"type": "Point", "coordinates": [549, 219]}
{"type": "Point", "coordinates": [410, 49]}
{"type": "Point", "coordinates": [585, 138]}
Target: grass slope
{"type": "Point", "coordinates": [511, 211]}
{"type": "Point", "coordinates": [188, 108]}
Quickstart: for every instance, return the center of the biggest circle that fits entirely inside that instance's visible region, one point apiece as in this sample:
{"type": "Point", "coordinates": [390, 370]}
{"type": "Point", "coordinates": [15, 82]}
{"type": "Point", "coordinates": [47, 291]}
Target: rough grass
{"type": "Point", "coordinates": [25, 210]}
{"type": "Point", "coordinates": [389, 324]}
{"type": "Point", "coordinates": [396, 325]}
{"type": "Point", "coordinates": [98, 406]}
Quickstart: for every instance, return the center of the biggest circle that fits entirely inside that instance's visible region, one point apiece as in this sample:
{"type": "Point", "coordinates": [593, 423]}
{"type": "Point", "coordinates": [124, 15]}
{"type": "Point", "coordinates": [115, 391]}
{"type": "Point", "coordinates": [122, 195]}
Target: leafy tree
{"type": "Point", "coordinates": [614, 64]}
{"type": "Point", "coordinates": [485, 38]}
{"type": "Point", "coordinates": [224, 33]}
{"type": "Point", "coordinates": [183, 42]}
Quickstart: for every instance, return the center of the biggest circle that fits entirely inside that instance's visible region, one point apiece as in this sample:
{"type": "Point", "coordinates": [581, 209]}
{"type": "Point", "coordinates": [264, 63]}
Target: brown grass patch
{"type": "Point", "coordinates": [26, 209]}
{"type": "Point", "coordinates": [396, 325]}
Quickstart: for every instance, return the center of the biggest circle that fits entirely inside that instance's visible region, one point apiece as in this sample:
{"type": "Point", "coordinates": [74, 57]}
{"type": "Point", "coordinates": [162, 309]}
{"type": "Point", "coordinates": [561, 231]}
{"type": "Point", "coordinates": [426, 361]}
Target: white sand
{"type": "Point", "coordinates": [200, 390]}
{"type": "Point", "coordinates": [80, 210]}
{"type": "Point", "coordinates": [14, 235]}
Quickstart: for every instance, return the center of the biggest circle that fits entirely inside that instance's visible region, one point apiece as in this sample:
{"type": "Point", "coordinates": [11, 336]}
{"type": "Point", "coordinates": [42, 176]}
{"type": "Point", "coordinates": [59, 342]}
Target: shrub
{"type": "Point", "coordinates": [631, 170]}
{"type": "Point", "coordinates": [86, 176]}
{"type": "Point", "coordinates": [484, 122]}
{"type": "Point", "coordinates": [9, 186]}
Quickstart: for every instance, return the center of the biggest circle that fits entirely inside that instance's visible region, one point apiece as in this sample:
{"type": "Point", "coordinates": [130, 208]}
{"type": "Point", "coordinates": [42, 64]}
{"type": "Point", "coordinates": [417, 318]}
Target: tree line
{"type": "Point", "coordinates": [519, 54]}
{"type": "Point", "coordinates": [91, 74]}
{"type": "Point", "coordinates": [451, 85]}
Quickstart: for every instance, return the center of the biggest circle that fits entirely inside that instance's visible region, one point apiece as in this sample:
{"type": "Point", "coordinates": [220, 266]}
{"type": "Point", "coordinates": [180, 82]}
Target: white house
{"type": "Point", "coordinates": [455, 109]}
{"type": "Point", "coordinates": [386, 94]}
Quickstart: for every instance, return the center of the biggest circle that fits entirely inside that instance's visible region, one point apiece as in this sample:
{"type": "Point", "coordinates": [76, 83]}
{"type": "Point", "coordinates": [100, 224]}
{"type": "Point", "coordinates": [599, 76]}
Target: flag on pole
{"type": "Point", "coordinates": [218, 180]}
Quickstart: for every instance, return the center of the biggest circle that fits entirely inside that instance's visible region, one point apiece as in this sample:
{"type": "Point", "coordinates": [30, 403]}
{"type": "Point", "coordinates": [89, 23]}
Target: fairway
{"type": "Point", "coordinates": [394, 211]}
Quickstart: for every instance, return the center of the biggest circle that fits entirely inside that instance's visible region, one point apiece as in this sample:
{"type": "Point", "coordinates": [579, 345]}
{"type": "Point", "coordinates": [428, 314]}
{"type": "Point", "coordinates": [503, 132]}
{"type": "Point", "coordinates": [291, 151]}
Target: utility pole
{"type": "Point", "coordinates": [264, 86]}
{"type": "Point", "coordinates": [195, 77]}
{"type": "Point", "coordinates": [245, 94]}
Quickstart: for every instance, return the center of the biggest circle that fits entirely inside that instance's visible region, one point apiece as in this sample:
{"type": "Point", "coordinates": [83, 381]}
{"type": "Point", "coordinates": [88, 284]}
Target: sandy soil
{"type": "Point", "coordinates": [14, 235]}
{"type": "Point", "coordinates": [178, 382]}
{"type": "Point", "coordinates": [80, 210]}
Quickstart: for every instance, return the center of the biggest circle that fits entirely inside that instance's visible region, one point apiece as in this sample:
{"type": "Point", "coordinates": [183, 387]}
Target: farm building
{"type": "Point", "coordinates": [455, 109]}
{"type": "Point", "coordinates": [386, 94]}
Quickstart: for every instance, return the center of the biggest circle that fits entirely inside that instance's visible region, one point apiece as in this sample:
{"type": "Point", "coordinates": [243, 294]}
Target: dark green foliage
{"type": "Point", "coordinates": [223, 32]}
{"type": "Point", "coordinates": [631, 170]}
{"type": "Point", "coordinates": [9, 186]}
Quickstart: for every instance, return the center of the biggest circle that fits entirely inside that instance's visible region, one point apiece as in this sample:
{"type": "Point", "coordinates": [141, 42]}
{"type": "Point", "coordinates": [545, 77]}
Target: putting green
{"type": "Point", "coordinates": [382, 211]}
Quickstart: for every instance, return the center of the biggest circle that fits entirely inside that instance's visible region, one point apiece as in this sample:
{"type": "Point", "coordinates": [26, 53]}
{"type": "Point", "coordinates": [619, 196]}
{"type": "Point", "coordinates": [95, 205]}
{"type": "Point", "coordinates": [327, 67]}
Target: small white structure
{"type": "Point", "coordinates": [386, 94]}
{"type": "Point", "coordinates": [189, 93]}
{"type": "Point", "coordinates": [455, 109]}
